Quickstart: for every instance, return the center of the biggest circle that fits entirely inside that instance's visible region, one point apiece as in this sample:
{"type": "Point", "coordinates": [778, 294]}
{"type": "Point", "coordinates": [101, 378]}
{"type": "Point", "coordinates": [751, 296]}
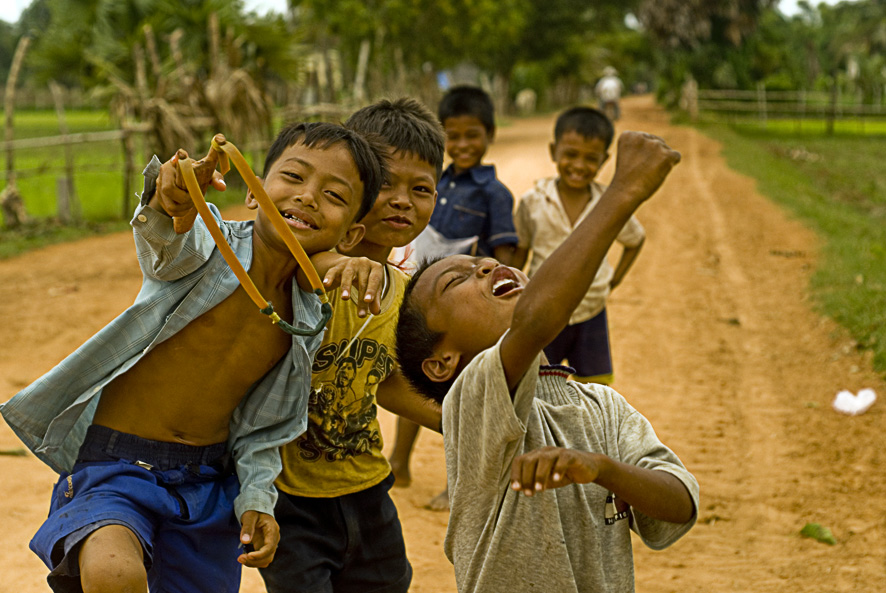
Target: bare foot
{"type": "Point", "coordinates": [439, 502]}
{"type": "Point", "coordinates": [402, 477]}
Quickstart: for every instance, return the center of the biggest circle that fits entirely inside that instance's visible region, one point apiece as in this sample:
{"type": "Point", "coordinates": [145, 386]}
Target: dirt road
{"type": "Point", "coordinates": [714, 340]}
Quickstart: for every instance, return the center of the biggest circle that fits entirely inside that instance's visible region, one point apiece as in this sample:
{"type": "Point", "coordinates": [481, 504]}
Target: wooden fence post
{"type": "Point", "coordinates": [832, 111]}
{"type": "Point", "coordinates": [128, 172]}
{"type": "Point", "coordinates": [68, 205]}
{"type": "Point", "coordinates": [689, 98]}
{"type": "Point", "coordinates": [11, 202]}
{"type": "Point", "coordinates": [360, 78]}
{"type": "Point", "coordinates": [761, 102]}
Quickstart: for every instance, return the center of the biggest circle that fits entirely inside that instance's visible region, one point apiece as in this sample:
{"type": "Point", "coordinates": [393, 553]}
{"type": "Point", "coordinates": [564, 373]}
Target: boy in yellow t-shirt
{"type": "Point", "coordinates": [339, 529]}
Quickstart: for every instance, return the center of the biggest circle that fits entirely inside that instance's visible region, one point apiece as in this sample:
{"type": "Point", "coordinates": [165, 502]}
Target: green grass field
{"type": "Point", "coordinates": [98, 180]}
{"type": "Point", "coordinates": [837, 186]}
{"type": "Point", "coordinates": [813, 127]}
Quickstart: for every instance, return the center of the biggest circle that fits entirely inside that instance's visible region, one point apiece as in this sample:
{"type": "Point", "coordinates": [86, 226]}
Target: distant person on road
{"type": "Point", "coordinates": [546, 216]}
{"type": "Point", "coordinates": [608, 90]}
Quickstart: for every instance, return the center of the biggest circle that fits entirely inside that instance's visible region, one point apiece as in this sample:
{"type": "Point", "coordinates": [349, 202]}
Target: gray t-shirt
{"type": "Point", "coordinates": [569, 539]}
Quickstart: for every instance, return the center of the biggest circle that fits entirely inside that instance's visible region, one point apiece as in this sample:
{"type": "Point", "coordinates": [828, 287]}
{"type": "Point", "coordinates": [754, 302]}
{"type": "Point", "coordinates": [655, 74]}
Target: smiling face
{"type": "Point", "coordinates": [467, 140]}
{"type": "Point", "coordinates": [318, 191]}
{"type": "Point", "coordinates": [578, 159]}
{"type": "Point", "coordinates": [403, 207]}
{"type": "Point", "coordinates": [470, 300]}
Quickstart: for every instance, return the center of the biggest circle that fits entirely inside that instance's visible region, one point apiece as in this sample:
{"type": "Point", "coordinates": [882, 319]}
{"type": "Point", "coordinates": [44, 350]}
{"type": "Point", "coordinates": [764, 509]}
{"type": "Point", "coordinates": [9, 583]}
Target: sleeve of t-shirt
{"type": "Point", "coordinates": [523, 223]}
{"type": "Point", "coordinates": [501, 215]}
{"type": "Point", "coordinates": [632, 234]}
{"type": "Point", "coordinates": [639, 445]}
{"type": "Point", "coordinates": [483, 427]}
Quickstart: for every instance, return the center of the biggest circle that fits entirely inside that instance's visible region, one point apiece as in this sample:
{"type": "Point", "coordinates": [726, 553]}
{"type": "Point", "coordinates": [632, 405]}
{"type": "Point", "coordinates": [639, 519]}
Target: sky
{"type": "Point", "coordinates": [11, 9]}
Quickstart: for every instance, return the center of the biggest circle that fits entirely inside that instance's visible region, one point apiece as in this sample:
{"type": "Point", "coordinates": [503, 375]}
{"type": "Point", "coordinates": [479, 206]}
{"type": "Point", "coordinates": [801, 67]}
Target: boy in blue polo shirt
{"type": "Point", "coordinates": [471, 202]}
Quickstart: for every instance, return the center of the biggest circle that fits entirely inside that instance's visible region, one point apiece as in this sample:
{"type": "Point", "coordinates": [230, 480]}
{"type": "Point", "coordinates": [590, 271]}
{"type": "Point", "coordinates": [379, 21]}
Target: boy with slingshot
{"type": "Point", "coordinates": [165, 425]}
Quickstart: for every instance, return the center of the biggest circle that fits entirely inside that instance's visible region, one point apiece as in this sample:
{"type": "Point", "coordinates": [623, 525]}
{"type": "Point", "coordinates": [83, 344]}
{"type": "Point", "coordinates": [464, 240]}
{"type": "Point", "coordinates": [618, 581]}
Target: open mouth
{"type": "Point", "coordinates": [504, 281]}
{"type": "Point", "coordinates": [298, 222]}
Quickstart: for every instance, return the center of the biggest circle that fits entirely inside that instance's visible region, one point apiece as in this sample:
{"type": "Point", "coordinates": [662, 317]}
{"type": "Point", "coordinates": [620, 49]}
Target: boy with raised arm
{"type": "Point", "coordinates": [152, 421]}
{"type": "Point", "coordinates": [339, 528]}
{"type": "Point", "coordinates": [471, 334]}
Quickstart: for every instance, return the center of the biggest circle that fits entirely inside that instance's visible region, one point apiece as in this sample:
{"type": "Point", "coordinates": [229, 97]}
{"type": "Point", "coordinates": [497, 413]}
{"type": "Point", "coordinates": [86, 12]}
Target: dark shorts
{"type": "Point", "coordinates": [177, 499]}
{"type": "Point", "coordinates": [342, 544]}
{"type": "Point", "coordinates": [585, 346]}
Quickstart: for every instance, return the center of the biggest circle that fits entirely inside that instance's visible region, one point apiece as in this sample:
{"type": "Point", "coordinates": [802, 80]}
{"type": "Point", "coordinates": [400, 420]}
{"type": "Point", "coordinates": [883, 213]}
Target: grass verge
{"type": "Point", "coordinates": [837, 186]}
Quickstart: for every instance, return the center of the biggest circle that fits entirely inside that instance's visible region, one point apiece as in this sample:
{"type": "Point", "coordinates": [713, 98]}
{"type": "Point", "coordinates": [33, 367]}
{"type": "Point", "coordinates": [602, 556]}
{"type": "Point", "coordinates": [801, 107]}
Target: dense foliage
{"type": "Point", "coordinates": [556, 47]}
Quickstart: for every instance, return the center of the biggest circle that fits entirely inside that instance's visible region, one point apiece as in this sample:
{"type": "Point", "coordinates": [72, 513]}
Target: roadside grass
{"type": "Point", "coordinates": [837, 186]}
{"type": "Point", "coordinates": [98, 181]}
{"type": "Point", "coordinates": [810, 126]}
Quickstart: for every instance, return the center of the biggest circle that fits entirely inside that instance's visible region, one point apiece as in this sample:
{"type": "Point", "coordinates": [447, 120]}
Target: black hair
{"type": "Point", "coordinates": [587, 121]}
{"type": "Point", "coordinates": [416, 341]}
{"type": "Point", "coordinates": [405, 125]}
{"type": "Point", "coordinates": [468, 100]}
{"type": "Point", "coordinates": [368, 155]}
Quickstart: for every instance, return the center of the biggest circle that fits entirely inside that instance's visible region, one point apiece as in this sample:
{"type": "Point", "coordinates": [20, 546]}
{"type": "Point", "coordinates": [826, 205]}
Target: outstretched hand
{"type": "Point", "coordinates": [642, 164]}
{"type": "Point", "coordinates": [552, 467]}
{"type": "Point", "coordinates": [262, 532]}
{"type": "Point", "coordinates": [172, 196]}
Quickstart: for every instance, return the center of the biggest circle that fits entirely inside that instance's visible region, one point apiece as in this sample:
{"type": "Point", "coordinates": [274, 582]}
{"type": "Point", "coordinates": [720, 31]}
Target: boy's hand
{"type": "Point", "coordinates": [642, 164]}
{"type": "Point", "coordinates": [359, 274]}
{"type": "Point", "coordinates": [172, 196]}
{"type": "Point", "coordinates": [261, 531]}
{"type": "Point", "coordinates": [552, 467]}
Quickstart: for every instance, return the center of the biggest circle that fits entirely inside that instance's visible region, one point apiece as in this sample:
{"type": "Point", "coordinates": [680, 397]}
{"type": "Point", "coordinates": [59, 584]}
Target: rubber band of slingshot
{"type": "Point", "coordinates": [227, 151]}
{"type": "Point", "coordinates": [186, 167]}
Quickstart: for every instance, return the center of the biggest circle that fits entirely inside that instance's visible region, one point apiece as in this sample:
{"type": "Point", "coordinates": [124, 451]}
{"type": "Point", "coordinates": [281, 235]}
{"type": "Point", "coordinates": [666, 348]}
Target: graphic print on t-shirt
{"type": "Point", "coordinates": [341, 409]}
{"type": "Point", "coordinates": [616, 509]}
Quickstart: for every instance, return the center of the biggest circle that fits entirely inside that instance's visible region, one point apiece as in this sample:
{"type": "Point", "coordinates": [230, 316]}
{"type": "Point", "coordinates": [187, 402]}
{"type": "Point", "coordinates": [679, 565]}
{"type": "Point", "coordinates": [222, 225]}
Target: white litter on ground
{"type": "Point", "coordinates": [848, 403]}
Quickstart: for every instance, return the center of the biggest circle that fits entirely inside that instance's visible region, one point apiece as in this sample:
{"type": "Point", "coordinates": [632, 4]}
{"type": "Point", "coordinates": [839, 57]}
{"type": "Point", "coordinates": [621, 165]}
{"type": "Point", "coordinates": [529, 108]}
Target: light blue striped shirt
{"type": "Point", "coordinates": [184, 276]}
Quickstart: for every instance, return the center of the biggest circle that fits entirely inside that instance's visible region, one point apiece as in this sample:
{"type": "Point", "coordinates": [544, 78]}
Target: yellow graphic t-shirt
{"type": "Point", "coordinates": [341, 451]}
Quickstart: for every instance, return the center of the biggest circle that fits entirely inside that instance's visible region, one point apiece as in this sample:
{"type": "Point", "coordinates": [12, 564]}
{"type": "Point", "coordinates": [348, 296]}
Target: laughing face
{"type": "Point", "coordinates": [467, 140]}
{"type": "Point", "coordinates": [404, 204]}
{"type": "Point", "coordinates": [578, 159]}
{"type": "Point", "coordinates": [470, 300]}
{"type": "Point", "coordinates": [317, 191]}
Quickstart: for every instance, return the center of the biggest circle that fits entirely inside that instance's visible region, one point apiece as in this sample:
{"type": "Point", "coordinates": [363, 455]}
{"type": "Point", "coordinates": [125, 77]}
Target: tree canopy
{"type": "Point", "coordinates": [555, 47]}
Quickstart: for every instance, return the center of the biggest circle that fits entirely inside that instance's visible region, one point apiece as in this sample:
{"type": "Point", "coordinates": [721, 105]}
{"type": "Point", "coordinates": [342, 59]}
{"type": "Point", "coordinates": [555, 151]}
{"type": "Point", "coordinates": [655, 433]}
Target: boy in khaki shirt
{"type": "Point", "coordinates": [549, 212]}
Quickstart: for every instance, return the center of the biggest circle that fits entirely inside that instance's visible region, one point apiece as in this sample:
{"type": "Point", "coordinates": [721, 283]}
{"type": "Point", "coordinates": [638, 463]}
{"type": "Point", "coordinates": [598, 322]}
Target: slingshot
{"type": "Point", "coordinates": [227, 152]}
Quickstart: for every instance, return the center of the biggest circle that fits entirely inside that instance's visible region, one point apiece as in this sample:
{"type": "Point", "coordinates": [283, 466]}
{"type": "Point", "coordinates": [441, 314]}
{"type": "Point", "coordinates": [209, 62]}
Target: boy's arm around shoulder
{"type": "Point", "coordinates": [164, 253]}
{"type": "Point", "coordinates": [396, 395]}
{"type": "Point", "coordinates": [544, 308]}
{"type": "Point", "coordinates": [353, 274]}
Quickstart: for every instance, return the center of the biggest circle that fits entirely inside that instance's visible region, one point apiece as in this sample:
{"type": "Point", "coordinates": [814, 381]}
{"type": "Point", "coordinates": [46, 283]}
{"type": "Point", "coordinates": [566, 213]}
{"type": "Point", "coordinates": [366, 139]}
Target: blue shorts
{"type": "Point", "coordinates": [346, 543]}
{"type": "Point", "coordinates": [585, 346]}
{"type": "Point", "coordinates": [177, 499]}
